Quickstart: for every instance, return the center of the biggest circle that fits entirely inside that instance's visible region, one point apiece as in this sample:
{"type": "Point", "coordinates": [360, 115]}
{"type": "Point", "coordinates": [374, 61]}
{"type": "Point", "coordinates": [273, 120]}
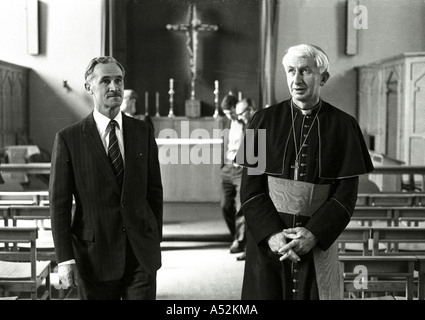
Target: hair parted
{"type": "Point", "coordinates": [95, 61]}
{"type": "Point", "coordinates": [313, 51]}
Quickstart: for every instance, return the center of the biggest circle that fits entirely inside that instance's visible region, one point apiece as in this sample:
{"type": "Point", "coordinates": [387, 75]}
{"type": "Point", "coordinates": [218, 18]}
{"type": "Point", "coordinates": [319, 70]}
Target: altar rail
{"type": "Point", "coordinates": [200, 173]}
{"type": "Point", "coordinates": [410, 170]}
{"type": "Point", "coordinates": [43, 168]}
{"type": "Point", "coordinates": [190, 168]}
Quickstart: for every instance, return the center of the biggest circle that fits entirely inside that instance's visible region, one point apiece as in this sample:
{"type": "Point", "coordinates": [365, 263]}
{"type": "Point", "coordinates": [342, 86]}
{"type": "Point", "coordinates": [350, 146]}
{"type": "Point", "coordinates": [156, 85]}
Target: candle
{"type": "Point", "coordinates": [240, 95]}
{"type": "Point", "coordinates": [216, 84]}
{"type": "Point", "coordinates": [157, 100]}
{"type": "Point", "coordinates": [171, 84]}
{"type": "Point", "coordinates": [146, 100]}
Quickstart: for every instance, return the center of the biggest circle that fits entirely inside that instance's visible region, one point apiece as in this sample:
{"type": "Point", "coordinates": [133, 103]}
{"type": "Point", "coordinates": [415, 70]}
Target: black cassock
{"type": "Point", "coordinates": [331, 151]}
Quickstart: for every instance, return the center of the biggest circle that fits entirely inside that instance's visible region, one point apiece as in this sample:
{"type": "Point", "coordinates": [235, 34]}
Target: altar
{"type": "Point", "coordinates": [190, 153]}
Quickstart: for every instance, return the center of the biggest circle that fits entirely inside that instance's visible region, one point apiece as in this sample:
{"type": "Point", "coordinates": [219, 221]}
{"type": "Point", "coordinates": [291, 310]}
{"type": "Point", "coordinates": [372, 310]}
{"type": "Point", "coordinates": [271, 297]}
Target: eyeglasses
{"type": "Point", "coordinates": [243, 112]}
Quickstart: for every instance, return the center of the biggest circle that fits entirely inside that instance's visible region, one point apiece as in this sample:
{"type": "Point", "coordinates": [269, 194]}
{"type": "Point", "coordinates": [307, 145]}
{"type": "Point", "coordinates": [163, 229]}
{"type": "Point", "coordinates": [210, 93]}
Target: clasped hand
{"type": "Point", "coordinates": [302, 242]}
{"type": "Point", "coordinates": [68, 275]}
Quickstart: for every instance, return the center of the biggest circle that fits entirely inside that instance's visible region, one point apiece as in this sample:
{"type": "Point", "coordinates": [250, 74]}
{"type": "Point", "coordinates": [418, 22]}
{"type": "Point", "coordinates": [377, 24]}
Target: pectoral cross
{"type": "Point", "coordinates": [296, 166]}
{"type": "Point", "coordinates": [192, 28]}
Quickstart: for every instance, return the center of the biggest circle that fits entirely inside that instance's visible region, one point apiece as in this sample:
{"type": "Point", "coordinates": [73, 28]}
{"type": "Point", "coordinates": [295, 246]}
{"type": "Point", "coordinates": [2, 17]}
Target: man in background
{"type": "Point", "coordinates": [231, 173]}
{"type": "Point", "coordinates": [129, 106]}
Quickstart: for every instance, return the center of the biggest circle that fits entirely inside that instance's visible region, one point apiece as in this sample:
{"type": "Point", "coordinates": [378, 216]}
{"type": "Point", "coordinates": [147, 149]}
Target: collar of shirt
{"type": "Point", "coordinates": [102, 124]}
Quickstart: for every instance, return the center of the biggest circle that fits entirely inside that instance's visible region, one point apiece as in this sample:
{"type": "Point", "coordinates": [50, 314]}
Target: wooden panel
{"type": "Point", "coordinates": [352, 32]}
{"type": "Point", "coordinates": [13, 104]}
{"type": "Point", "coordinates": [417, 151]}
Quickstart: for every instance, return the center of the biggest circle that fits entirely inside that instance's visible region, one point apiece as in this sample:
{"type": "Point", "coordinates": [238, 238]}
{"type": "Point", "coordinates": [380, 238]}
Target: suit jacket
{"type": "Point", "coordinates": [96, 233]}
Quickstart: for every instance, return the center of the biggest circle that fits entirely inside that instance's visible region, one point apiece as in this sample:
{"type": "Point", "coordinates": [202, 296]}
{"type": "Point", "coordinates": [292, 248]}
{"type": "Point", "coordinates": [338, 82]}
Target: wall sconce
{"type": "Point", "coordinates": [66, 86]}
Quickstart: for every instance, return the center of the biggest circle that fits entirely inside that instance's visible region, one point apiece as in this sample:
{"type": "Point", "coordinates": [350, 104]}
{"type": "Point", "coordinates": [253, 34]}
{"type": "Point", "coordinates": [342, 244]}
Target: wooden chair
{"type": "Point", "coordinates": [38, 215]}
{"type": "Point", "coordinates": [21, 272]}
{"type": "Point", "coordinates": [383, 276]}
{"type": "Point", "coordinates": [44, 243]}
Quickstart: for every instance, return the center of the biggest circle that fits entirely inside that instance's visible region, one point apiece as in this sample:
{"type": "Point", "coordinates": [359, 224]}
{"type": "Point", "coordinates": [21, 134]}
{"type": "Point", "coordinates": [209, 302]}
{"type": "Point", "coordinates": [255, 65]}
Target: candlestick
{"type": "Point", "coordinates": [146, 103]}
{"type": "Point", "coordinates": [157, 105]}
{"type": "Point", "coordinates": [171, 93]}
{"type": "Point", "coordinates": [216, 91]}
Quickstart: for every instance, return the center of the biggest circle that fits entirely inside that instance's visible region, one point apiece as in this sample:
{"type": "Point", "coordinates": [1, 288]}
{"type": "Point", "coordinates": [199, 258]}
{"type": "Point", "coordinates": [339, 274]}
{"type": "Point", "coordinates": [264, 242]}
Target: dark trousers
{"type": "Point", "coordinates": [134, 285]}
{"type": "Point", "coordinates": [231, 203]}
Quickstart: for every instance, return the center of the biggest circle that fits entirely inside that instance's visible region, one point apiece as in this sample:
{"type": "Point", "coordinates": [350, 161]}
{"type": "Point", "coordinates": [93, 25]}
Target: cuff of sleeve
{"type": "Point", "coordinates": [72, 261]}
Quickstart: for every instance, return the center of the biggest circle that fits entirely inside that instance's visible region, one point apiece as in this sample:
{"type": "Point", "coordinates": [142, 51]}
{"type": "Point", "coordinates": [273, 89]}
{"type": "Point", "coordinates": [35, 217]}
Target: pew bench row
{"type": "Point", "coordinates": [376, 241]}
{"type": "Point", "coordinates": [391, 215]}
{"type": "Point", "coordinates": [23, 197]}
{"type": "Point", "coordinates": [384, 276]}
{"type": "Point", "coordinates": [390, 199]}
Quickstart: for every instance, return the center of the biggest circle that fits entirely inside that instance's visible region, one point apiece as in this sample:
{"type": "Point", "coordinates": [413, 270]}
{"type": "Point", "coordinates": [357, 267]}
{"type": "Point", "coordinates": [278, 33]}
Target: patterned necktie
{"type": "Point", "coordinates": [115, 154]}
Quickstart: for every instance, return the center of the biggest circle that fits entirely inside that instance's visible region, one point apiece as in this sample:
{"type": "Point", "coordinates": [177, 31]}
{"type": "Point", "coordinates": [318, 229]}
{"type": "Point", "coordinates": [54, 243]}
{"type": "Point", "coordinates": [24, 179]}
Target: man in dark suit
{"type": "Point", "coordinates": [109, 245]}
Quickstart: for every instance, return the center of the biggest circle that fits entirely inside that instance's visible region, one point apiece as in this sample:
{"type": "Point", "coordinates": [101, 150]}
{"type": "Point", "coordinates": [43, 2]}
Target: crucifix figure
{"type": "Point", "coordinates": [192, 28]}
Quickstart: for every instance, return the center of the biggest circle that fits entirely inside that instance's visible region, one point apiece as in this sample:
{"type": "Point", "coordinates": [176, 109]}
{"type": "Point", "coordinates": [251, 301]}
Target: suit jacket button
{"type": "Point", "coordinates": [122, 205]}
{"type": "Point", "coordinates": [123, 229]}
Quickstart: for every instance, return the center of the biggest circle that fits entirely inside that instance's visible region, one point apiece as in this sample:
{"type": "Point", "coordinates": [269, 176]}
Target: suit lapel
{"type": "Point", "coordinates": [95, 145]}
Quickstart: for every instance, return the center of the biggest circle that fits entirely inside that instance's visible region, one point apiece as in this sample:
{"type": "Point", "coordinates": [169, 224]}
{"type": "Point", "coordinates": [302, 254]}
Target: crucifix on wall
{"type": "Point", "coordinates": [192, 29]}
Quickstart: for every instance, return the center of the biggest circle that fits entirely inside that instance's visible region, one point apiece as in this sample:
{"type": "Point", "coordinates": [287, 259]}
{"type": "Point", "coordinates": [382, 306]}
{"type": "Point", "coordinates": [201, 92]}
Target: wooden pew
{"type": "Point", "coordinates": [369, 214]}
{"type": "Point", "coordinates": [409, 222]}
{"type": "Point", "coordinates": [403, 241]}
{"type": "Point", "coordinates": [37, 213]}
{"type": "Point", "coordinates": [21, 271]}
{"type": "Point", "coordinates": [395, 199]}
{"type": "Point", "coordinates": [358, 237]}
{"type": "Point", "coordinates": [362, 200]}
{"type": "Point", "coordinates": [408, 214]}
{"type": "Point", "coordinates": [391, 199]}
{"type": "Point", "coordinates": [419, 199]}
{"type": "Point", "coordinates": [382, 274]}
{"type": "Point", "coordinates": [409, 239]}
{"type": "Point", "coordinates": [24, 197]}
